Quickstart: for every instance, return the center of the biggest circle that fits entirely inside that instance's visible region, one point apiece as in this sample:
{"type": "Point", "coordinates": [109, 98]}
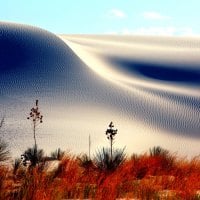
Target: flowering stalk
{"type": "Point", "coordinates": [36, 117]}
{"type": "Point", "coordinates": [111, 132]}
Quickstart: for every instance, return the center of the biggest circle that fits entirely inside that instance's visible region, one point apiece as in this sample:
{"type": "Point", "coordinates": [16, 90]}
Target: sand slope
{"type": "Point", "coordinates": [149, 87]}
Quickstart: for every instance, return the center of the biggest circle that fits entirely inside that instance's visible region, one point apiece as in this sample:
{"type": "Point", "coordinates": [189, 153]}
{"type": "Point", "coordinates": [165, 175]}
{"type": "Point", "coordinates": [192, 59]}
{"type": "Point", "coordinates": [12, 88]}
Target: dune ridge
{"type": "Point", "coordinates": [148, 86]}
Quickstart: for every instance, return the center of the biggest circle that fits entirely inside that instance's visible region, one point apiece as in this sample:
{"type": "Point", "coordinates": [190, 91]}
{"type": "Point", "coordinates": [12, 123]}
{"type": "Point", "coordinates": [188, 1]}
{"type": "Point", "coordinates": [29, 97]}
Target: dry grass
{"type": "Point", "coordinates": [162, 176]}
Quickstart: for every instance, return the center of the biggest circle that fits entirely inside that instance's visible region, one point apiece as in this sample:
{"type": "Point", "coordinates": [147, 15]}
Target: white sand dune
{"type": "Point", "coordinates": [149, 87]}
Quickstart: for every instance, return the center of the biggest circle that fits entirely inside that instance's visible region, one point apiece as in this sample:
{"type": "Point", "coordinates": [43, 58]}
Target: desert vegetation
{"type": "Point", "coordinates": [108, 174]}
{"type": "Point", "coordinates": [146, 176]}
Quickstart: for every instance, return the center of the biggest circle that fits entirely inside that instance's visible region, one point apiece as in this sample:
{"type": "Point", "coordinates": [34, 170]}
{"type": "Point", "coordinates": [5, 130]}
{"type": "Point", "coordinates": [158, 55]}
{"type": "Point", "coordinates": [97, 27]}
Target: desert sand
{"type": "Point", "coordinates": [148, 86]}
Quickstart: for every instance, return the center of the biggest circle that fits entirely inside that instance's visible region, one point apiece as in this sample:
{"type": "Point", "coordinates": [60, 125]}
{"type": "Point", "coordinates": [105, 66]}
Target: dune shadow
{"type": "Point", "coordinates": [37, 63]}
{"type": "Point", "coordinates": [162, 72]}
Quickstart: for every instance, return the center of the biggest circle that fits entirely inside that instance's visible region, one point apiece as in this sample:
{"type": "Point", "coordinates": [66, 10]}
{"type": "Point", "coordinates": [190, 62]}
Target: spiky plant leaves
{"type": "Point", "coordinates": [16, 165]}
{"type": "Point", "coordinates": [158, 151]}
{"type": "Point", "coordinates": [135, 157]}
{"type": "Point", "coordinates": [32, 156]}
{"type": "Point", "coordinates": [1, 122]}
{"type": "Point", "coordinates": [104, 162]}
{"type": "Point", "coordinates": [118, 158]}
{"type": "Point", "coordinates": [4, 152]}
{"type": "Point", "coordinates": [57, 154]}
{"type": "Point", "coordinates": [85, 161]}
{"type": "Point", "coordinates": [166, 159]}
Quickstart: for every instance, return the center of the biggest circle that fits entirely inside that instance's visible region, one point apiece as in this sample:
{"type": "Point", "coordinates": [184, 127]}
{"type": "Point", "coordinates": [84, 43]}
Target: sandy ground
{"type": "Point", "coordinates": [148, 86]}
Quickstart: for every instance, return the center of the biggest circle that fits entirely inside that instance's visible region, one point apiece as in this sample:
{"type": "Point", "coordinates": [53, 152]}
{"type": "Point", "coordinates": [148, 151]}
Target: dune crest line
{"type": "Point", "coordinates": [148, 86]}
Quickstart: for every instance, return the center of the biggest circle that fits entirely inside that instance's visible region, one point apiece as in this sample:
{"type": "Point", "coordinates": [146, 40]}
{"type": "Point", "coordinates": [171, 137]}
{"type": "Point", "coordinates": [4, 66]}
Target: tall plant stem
{"type": "Point", "coordinates": [111, 149]}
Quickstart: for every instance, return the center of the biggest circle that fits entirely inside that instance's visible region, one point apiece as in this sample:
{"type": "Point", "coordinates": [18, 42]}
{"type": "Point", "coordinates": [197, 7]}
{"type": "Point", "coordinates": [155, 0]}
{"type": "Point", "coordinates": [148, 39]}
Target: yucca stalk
{"type": "Point", "coordinates": [36, 118]}
{"type": "Point", "coordinates": [111, 132]}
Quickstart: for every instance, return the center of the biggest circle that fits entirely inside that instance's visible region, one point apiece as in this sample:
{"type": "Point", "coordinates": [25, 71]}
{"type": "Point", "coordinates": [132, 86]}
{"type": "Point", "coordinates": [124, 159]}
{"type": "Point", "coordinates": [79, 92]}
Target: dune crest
{"type": "Point", "coordinates": [148, 86]}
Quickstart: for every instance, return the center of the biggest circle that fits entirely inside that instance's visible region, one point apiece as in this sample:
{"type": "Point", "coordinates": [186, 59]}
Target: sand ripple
{"type": "Point", "coordinates": [149, 87]}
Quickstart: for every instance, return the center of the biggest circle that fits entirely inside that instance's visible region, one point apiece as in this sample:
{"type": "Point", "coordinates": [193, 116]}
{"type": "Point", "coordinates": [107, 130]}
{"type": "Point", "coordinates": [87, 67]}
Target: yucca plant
{"type": "Point", "coordinates": [4, 156]}
{"type": "Point", "coordinates": [85, 161]}
{"type": "Point", "coordinates": [58, 154]}
{"type": "Point", "coordinates": [110, 133]}
{"type": "Point", "coordinates": [104, 162]}
{"type": "Point", "coordinates": [158, 151]}
{"type": "Point", "coordinates": [109, 159]}
{"type": "Point", "coordinates": [1, 122]}
{"type": "Point", "coordinates": [16, 165]}
{"type": "Point", "coordinates": [36, 118]}
{"type": "Point", "coordinates": [4, 152]}
{"type": "Point", "coordinates": [166, 159]}
{"type": "Point", "coordinates": [31, 157]}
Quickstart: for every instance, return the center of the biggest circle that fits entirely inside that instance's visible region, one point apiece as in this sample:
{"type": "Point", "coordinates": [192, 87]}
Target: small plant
{"type": "Point", "coordinates": [57, 154]}
{"type": "Point", "coordinates": [85, 161]}
{"type": "Point", "coordinates": [1, 122]}
{"type": "Point", "coordinates": [16, 166]}
{"type": "Point", "coordinates": [36, 118]}
{"type": "Point", "coordinates": [104, 162]}
{"type": "Point", "coordinates": [165, 159]}
{"type": "Point", "coordinates": [108, 159]}
{"type": "Point", "coordinates": [111, 132]}
{"type": "Point", "coordinates": [4, 152]}
{"type": "Point", "coordinates": [158, 151]}
{"type": "Point", "coordinates": [31, 157]}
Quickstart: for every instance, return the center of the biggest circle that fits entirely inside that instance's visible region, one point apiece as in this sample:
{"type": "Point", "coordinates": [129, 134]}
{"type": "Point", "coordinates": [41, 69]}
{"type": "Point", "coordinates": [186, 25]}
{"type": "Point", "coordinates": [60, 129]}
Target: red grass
{"type": "Point", "coordinates": [142, 177]}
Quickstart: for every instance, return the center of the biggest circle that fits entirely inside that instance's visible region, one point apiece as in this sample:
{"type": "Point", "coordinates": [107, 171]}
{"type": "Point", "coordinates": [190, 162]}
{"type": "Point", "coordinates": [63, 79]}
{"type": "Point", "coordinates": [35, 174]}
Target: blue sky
{"type": "Point", "coordinates": [147, 17]}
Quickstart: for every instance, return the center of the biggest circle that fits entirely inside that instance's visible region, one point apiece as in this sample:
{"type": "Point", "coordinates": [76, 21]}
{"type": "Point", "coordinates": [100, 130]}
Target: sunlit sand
{"type": "Point", "coordinates": [149, 86]}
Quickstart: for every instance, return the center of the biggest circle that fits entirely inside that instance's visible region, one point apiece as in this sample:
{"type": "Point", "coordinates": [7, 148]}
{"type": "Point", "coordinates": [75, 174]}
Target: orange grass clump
{"type": "Point", "coordinates": [154, 176]}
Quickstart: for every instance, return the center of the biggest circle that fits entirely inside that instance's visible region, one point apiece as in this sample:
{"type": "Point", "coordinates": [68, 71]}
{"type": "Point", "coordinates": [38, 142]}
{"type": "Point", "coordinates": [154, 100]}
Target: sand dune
{"type": "Point", "coordinates": [149, 87]}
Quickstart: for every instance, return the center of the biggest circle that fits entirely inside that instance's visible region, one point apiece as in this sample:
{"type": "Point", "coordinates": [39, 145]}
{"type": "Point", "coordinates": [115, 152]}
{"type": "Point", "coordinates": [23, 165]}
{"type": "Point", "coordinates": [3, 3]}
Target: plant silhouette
{"type": "Point", "coordinates": [36, 118]}
{"type": "Point", "coordinates": [4, 152]}
{"type": "Point", "coordinates": [111, 132]}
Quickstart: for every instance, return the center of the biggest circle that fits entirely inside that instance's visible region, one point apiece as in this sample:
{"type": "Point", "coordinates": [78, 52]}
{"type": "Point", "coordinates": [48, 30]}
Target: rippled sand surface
{"type": "Point", "coordinates": [148, 86]}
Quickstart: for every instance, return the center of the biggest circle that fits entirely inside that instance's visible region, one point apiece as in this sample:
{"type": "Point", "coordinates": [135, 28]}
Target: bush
{"type": "Point", "coordinates": [32, 156]}
{"type": "Point", "coordinates": [104, 162]}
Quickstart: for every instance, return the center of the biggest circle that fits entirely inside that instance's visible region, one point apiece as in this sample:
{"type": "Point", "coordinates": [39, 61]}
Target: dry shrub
{"type": "Point", "coordinates": [143, 177]}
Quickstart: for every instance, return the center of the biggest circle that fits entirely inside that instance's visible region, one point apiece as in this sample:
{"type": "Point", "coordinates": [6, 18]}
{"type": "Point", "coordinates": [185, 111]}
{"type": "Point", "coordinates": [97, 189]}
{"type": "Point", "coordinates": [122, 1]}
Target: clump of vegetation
{"type": "Point", "coordinates": [57, 154]}
{"type": "Point", "coordinates": [32, 156]}
{"type": "Point", "coordinates": [4, 156]}
{"type": "Point", "coordinates": [4, 152]}
{"type": "Point", "coordinates": [139, 177]}
{"type": "Point", "coordinates": [104, 162]}
{"type": "Point", "coordinates": [109, 159]}
{"type": "Point", "coordinates": [85, 161]}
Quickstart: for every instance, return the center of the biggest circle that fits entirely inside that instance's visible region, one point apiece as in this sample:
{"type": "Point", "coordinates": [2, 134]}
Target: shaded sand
{"type": "Point", "coordinates": [149, 87]}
